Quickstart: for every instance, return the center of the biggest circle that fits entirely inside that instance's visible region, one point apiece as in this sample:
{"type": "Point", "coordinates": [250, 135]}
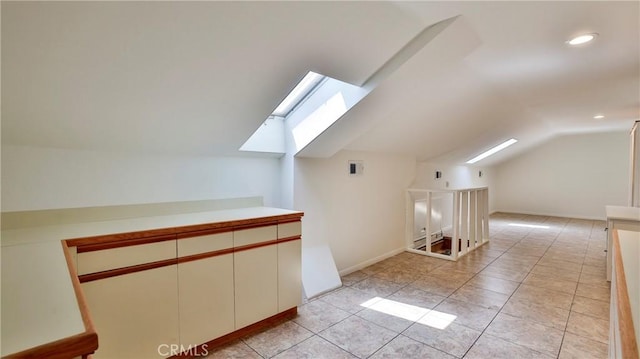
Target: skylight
{"type": "Point", "coordinates": [302, 89]}
{"type": "Point", "coordinates": [492, 151]}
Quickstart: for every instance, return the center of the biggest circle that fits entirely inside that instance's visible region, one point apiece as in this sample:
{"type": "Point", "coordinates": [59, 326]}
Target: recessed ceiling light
{"type": "Point", "coordinates": [582, 39]}
{"type": "Point", "coordinates": [598, 117]}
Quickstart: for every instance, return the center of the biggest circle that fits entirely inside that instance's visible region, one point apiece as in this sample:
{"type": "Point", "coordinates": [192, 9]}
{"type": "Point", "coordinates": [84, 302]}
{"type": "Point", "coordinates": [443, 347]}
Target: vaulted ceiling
{"type": "Point", "coordinates": [198, 78]}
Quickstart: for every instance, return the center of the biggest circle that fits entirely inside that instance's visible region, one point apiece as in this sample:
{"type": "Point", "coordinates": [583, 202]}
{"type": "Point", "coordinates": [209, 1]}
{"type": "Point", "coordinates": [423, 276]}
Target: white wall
{"type": "Point", "coordinates": [361, 217]}
{"type": "Point", "coordinates": [455, 177]}
{"type": "Point", "coordinates": [571, 176]}
{"type": "Point", "coordinates": [46, 178]}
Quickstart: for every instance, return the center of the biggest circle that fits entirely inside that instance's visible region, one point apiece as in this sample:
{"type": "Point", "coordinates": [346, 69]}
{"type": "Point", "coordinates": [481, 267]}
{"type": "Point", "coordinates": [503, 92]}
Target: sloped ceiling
{"type": "Point", "coordinates": [198, 78]}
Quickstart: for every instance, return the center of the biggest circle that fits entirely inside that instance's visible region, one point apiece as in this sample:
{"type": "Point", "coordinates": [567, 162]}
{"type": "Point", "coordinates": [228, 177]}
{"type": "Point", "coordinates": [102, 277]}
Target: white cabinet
{"type": "Point", "coordinates": [200, 286]}
{"type": "Point", "coordinates": [289, 275]}
{"type": "Point", "coordinates": [255, 274]}
{"type": "Point", "coordinates": [205, 286]}
{"type": "Point", "coordinates": [134, 313]}
{"type": "Point", "coordinates": [289, 268]}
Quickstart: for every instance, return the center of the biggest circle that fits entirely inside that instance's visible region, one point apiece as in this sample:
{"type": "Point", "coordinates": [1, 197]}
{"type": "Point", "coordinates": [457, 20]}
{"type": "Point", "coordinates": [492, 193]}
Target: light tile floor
{"type": "Point", "coordinates": [536, 290]}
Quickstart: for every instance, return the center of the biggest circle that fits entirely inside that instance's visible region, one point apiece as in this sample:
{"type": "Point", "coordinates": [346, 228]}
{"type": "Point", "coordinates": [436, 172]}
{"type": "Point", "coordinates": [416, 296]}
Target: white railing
{"type": "Point", "coordinates": [464, 213]}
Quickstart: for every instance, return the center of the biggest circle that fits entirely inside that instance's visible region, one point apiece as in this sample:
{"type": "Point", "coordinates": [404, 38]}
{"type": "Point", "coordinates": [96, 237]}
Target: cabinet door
{"type": "Point", "coordinates": [289, 274]}
{"type": "Point", "coordinates": [206, 299]}
{"type": "Point", "coordinates": [134, 314]}
{"type": "Point", "coordinates": [256, 284]}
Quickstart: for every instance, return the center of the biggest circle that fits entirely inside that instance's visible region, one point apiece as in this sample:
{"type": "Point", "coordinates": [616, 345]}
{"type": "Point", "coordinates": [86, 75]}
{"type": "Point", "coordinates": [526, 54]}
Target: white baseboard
{"type": "Point", "coordinates": [371, 261]}
{"type": "Point", "coordinates": [562, 215]}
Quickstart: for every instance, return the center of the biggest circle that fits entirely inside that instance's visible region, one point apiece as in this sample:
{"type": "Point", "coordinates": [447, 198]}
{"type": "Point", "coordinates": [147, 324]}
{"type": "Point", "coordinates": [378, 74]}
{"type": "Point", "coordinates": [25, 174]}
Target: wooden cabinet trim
{"type": "Point", "coordinates": [205, 232]}
{"type": "Point", "coordinates": [156, 235]}
{"type": "Point", "coordinates": [195, 257]}
{"type": "Point", "coordinates": [79, 345]}
{"type": "Point", "coordinates": [289, 239]}
{"type": "Point", "coordinates": [255, 245]}
{"type": "Point", "coordinates": [147, 266]}
{"type": "Point", "coordinates": [627, 332]}
{"type": "Point", "coordinates": [290, 220]}
{"type": "Point", "coordinates": [126, 270]}
{"type": "Point", "coordinates": [128, 243]}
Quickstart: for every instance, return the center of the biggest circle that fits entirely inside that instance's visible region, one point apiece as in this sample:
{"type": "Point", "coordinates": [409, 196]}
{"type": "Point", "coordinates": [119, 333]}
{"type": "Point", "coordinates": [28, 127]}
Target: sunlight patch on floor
{"type": "Point", "coordinates": [432, 318]}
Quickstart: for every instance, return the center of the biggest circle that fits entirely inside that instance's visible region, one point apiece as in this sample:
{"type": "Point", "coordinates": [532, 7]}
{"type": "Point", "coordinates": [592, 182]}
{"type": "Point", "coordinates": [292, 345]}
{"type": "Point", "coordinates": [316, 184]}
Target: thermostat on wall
{"type": "Point", "coordinates": [356, 168]}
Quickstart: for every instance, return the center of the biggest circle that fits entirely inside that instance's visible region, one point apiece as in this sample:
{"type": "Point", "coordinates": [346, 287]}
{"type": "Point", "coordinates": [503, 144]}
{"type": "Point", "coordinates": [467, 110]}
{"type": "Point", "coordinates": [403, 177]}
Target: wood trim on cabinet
{"type": "Point", "coordinates": [125, 237]}
{"type": "Point", "coordinates": [290, 220]}
{"type": "Point", "coordinates": [79, 345]}
{"type": "Point", "coordinates": [166, 262]}
{"type": "Point", "coordinates": [625, 317]}
{"type": "Point", "coordinates": [71, 347]}
{"type": "Point", "coordinates": [250, 329]}
{"type": "Point", "coordinates": [255, 245]}
{"type": "Point", "coordinates": [128, 243]}
{"type": "Point", "coordinates": [126, 270]}
{"type": "Point", "coordinates": [204, 232]}
{"type": "Point", "coordinates": [224, 226]}
{"type": "Point", "coordinates": [289, 239]}
{"type": "Point", "coordinates": [195, 257]}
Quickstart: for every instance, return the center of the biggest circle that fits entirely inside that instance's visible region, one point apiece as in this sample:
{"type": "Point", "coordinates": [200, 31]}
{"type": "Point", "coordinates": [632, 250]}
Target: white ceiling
{"type": "Point", "coordinates": [198, 78]}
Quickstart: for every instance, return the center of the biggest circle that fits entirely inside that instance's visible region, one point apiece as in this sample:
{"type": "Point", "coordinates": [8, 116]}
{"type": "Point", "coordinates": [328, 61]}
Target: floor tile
{"type": "Point", "coordinates": [403, 347]}
{"type": "Point", "coordinates": [453, 338]}
{"type": "Point", "coordinates": [576, 347]}
{"type": "Point", "coordinates": [348, 299]}
{"type": "Point", "coordinates": [555, 273]}
{"type": "Point", "coordinates": [398, 275]}
{"type": "Point", "coordinates": [436, 285]}
{"type": "Point", "coordinates": [550, 316]}
{"type": "Point", "coordinates": [376, 267]}
{"type": "Point", "coordinates": [556, 284]}
{"type": "Point", "coordinates": [479, 296]}
{"type": "Point", "coordinates": [319, 315]}
{"type": "Point", "coordinates": [358, 336]}
{"type": "Point", "coordinates": [377, 287]}
{"type": "Point", "coordinates": [277, 339]}
{"type": "Point", "coordinates": [526, 333]}
{"type": "Point", "coordinates": [492, 347]}
{"type": "Point", "coordinates": [588, 327]}
{"type": "Point", "coordinates": [469, 315]}
{"type": "Point", "coordinates": [354, 277]}
{"type": "Point", "coordinates": [493, 284]}
{"type": "Point", "coordinates": [419, 298]}
{"type": "Point", "coordinates": [314, 348]}
{"type": "Point", "coordinates": [543, 296]}
{"type": "Point", "coordinates": [592, 307]}
{"type": "Point", "coordinates": [512, 275]}
{"type": "Point", "coordinates": [235, 350]}
{"type": "Point", "coordinates": [594, 291]}
{"type": "Point", "coordinates": [594, 279]}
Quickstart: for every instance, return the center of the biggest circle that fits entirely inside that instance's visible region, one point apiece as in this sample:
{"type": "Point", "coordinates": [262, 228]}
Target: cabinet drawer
{"type": "Point", "coordinates": [291, 229]}
{"type": "Point", "coordinates": [255, 235]}
{"type": "Point", "coordinates": [113, 258]}
{"type": "Point", "coordinates": [203, 244]}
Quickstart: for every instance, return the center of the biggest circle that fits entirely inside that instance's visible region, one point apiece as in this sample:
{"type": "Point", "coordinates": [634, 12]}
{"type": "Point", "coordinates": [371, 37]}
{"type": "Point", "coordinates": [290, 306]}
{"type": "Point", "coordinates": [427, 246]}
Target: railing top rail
{"type": "Point", "coordinates": [446, 190]}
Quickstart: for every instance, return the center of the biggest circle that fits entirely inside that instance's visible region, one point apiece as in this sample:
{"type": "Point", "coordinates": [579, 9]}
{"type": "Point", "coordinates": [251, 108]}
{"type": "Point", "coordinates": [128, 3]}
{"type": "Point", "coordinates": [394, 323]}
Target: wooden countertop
{"type": "Point", "coordinates": [39, 305]}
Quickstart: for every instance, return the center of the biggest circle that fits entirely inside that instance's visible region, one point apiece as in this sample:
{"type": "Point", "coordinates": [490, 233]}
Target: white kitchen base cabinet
{"type": "Point", "coordinates": [289, 274]}
{"type": "Point", "coordinates": [134, 313]}
{"type": "Point", "coordinates": [256, 284]}
{"type": "Point", "coordinates": [155, 293]}
{"type": "Point", "coordinates": [206, 299]}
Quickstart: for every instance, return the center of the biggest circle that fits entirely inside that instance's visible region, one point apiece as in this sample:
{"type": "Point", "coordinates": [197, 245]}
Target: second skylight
{"type": "Point", "coordinates": [302, 90]}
